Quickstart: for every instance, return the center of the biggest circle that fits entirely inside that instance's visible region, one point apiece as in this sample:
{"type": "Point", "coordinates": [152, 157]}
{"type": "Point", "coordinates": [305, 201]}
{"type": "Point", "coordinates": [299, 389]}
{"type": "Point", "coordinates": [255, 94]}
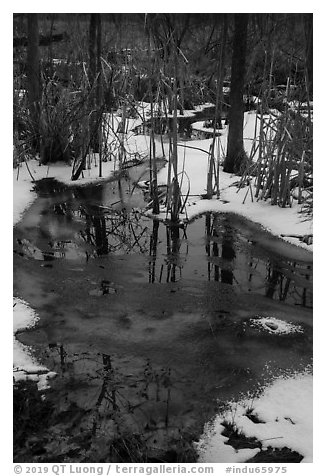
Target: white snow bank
{"type": "Point", "coordinates": [212, 447]}
{"type": "Point", "coordinates": [24, 316]}
{"type": "Point", "coordinates": [25, 365]}
{"type": "Point", "coordinates": [23, 195]}
{"type": "Point", "coordinates": [285, 410]}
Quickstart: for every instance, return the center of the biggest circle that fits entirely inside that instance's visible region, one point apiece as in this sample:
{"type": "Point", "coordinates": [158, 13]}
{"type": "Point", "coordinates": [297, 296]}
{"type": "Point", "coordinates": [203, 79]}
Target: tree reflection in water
{"type": "Point", "coordinates": [219, 249]}
{"type": "Point", "coordinates": [115, 231]}
{"type": "Point", "coordinates": [171, 269]}
{"type": "Point", "coordinates": [231, 256]}
{"type": "Point", "coordinates": [153, 251]}
{"type": "Point", "coordinates": [292, 281]}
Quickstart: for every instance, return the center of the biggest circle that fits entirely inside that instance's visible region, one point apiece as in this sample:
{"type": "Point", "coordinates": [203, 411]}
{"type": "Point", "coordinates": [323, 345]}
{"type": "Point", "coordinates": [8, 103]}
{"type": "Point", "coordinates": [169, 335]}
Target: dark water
{"type": "Point", "coordinates": [169, 308]}
{"type": "Point", "coordinates": [219, 247]}
{"type": "Point", "coordinates": [164, 125]}
{"type": "Point", "coordinates": [93, 223]}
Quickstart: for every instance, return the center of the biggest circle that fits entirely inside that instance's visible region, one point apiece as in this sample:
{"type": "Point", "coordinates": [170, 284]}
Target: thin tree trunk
{"type": "Point", "coordinates": [308, 27]}
{"type": "Point", "coordinates": [152, 152]}
{"type": "Point", "coordinates": [235, 150]}
{"type": "Point", "coordinates": [175, 183]}
{"type": "Point", "coordinates": [94, 50]}
{"type": "Point", "coordinates": [221, 72]}
{"type": "Point", "coordinates": [154, 190]}
{"type": "Point", "coordinates": [33, 77]}
{"type": "Point", "coordinates": [98, 58]}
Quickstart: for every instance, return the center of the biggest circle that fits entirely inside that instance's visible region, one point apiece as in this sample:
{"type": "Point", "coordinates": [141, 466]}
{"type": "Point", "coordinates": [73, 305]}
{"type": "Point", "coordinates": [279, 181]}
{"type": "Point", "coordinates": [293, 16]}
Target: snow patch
{"type": "Point", "coordinates": [25, 365]}
{"type": "Point", "coordinates": [275, 326]}
{"type": "Point", "coordinates": [285, 410]}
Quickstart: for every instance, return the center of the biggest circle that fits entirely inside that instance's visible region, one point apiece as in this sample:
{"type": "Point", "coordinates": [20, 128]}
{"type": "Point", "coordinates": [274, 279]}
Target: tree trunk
{"type": "Point", "coordinates": [98, 59]}
{"type": "Point", "coordinates": [33, 78]}
{"type": "Point", "coordinates": [221, 68]}
{"type": "Point", "coordinates": [94, 71]}
{"type": "Point", "coordinates": [98, 132]}
{"type": "Point", "coordinates": [175, 183]}
{"type": "Point", "coordinates": [152, 152]}
{"type": "Point", "coordinates": [92, 49]}
{"type": "Point", "coordinates": [308, 28]}
{"type": "Point", "coordinates": [235, 150]}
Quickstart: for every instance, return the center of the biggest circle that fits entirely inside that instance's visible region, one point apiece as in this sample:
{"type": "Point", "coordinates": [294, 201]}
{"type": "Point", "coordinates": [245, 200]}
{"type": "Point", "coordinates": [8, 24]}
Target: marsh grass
{"type": "Point", "coordinates": [283, 169]}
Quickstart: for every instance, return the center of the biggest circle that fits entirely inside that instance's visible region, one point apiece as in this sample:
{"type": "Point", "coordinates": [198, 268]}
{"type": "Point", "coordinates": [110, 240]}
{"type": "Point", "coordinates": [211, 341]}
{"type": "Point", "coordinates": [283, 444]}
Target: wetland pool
{"type": "Point", "coordinates": [167, 312]}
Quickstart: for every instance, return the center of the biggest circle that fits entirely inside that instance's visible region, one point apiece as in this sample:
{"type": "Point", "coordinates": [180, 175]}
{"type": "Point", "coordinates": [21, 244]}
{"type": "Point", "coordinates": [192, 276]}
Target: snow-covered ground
{"type": "Point", "coordinates": [284, 412]}
{"type": "Point", "coordinates": [25, 364]}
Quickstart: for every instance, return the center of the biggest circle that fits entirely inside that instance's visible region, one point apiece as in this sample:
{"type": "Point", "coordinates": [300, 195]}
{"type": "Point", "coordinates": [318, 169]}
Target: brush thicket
{"type": "Point", "coordinates": [281, 156]}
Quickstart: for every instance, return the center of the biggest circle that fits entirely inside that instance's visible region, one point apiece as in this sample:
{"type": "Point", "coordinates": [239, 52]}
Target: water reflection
{"type": "Point", "coordinates": [171, 269]}
{"type": "Point", "coordinates": [226, 256]}
{"type": "Point", "coordinates": [94, 222]}
{"type": "Point", "coordinates": [290, 282]}
{"type": "Point", "coordinates": [273, 279]}
{"type": "Point", "coordinates": [117, 232]}
{"type": "Point", "coordinates": [173, 259]}
{"type": "Point", "coordinates": [100, 233]}
{"type": "Point", "coordinates": [220, 249]}
{"type": "Point", "coordinates": [153, 251]}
